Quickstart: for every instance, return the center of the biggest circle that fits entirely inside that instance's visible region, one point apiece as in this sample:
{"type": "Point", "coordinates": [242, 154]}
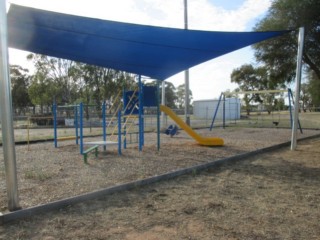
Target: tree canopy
{"type": "Point", "coordinates": [277, 57]}
{"type": "Point", "coordinates": [279, 54]}
{"type": "Point", "coordinates": [20, 84]}
{"type": "Point", "coordinates": [253, 79]}
{"type": "Point", "coordinates": [67, 82]}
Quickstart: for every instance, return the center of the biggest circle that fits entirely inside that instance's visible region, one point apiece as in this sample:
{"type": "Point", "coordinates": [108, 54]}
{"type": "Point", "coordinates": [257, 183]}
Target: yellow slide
{"type": "Point", "coordinates": [201, 140]}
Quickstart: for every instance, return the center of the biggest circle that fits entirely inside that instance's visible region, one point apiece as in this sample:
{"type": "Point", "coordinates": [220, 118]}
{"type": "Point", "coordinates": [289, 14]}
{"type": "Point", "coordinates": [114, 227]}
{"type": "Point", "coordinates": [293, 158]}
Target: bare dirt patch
{"type": "Point", "coordinates": [270, 196]}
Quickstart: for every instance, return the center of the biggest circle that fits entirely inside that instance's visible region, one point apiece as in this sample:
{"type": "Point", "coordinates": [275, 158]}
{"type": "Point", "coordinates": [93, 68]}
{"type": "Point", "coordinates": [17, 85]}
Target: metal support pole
{"type": "Point", "coordinates": [119, 132]}
{"type": "Point", "coordinates": [6, 116]}
{"type": "Point", "coordinates": [224, 112]}
{"type": "Point", "coordinates": [186, 72]}
{"type": "Point", "coordinates": [104, 124]}
{"type": "Point", "coordinates": [297, 90]}
{"type": "Point", "coordinates": [158, 113]}
{"type": "Point", "coordinates": [125, 133]}
{"type": "Point", "coordinates": [163, 102]}
{"type": "Point", "coordinates": [76, 123]}
{"type": "Point", "coordinates": [81, 127]}
{"type": "Point", "coordinates": [299, 125]}
{"type": "Point", "coordinates": [290, 107]}
{"type": "Point", "coordinates": [55, 125]}
{"type": "Point", "coordinates": [140, 115]}
{"type": "Point", "coordinates": [216, 111]}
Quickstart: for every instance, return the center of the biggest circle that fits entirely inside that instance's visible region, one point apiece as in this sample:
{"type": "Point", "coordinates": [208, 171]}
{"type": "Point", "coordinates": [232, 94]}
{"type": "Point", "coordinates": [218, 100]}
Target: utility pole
{"type": "Point", "coordinates": [186, 72]}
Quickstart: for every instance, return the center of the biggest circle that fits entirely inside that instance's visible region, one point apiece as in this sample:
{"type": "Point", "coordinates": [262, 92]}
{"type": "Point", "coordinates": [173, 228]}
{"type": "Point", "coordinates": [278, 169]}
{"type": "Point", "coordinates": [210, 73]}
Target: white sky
{"type": "Point", "coordinates": [207, 80]}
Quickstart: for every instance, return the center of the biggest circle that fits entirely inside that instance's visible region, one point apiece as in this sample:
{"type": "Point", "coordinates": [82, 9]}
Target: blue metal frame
{"type": "Point", "coordinates": [55, 134]}
{"type": "Point", "coordinates": [141, 142]}
{"type": "Point", "coordinates": [76, 123]}
{"type": "Point", "coordinates": [224, 111]}
{"type": "Point", "coordinates": [290, 108]}
{"type": "Point", "coordinates": [81, 127]}
{"type": "Point", "coordinates": [119, 132]}
{"type": "Point", "coordinates": [216, 111]}
{"type": "Point", "coordinates": [104, 124]}
{"type": "Point", "coordinates": [158, 115]}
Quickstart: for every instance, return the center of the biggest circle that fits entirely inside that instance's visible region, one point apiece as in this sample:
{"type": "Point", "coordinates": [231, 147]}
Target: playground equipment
{"type": "Point", "coordinates": [68, 116]}
{"type": "Point", "coordinates": [132, 111]}
{"type": "Point", "coordinates": [205, 141]}
{"type": "Point", "coordinates": [172, 130]}
{"type": "Point", "coordinates": [132, 102]}
{"type": "Point", "coordinates": [96, 144]}
{"type": "Point", "coordinates": [274, 121]}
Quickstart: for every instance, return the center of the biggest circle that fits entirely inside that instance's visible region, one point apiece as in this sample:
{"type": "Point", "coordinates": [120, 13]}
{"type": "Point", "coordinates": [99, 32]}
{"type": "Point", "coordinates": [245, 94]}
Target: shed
{"type": "Point", "coordinates": [206, 108]}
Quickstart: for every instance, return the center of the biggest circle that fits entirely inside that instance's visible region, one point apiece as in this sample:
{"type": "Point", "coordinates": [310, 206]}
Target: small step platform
{"type": "Point", "coordinates": [101, 143]}
{"type": "Point", "coordinates": [94, 148]}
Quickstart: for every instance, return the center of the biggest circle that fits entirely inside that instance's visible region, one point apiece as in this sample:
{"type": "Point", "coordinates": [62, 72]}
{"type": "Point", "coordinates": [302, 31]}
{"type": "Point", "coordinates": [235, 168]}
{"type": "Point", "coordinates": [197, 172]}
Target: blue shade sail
{"type": "Point", "coordinates": [156, 52]}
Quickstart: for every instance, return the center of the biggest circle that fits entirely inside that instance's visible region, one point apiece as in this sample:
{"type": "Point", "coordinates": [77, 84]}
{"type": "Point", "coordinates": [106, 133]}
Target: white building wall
{"type": "Point", "coordinates": [206, 109]}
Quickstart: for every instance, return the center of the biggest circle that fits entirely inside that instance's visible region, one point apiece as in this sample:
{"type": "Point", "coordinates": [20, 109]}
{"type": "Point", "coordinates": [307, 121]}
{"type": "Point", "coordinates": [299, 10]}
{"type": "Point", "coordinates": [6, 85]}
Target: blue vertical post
{"type": "Point", "coordinates": [216, 111]}
{"type": "Point", "coordinates": [76, 123]}
{"type": "Point", "coordinates": [141, 104]}
{"type": "Point", "coordinates": [290, 108]}
{"type": "Point", "coordinates": [158, 115]}
{"type": "Point", "coordinates": [124, 134]}
{"type": "Point", "coordinates": [81, 127]}
{"type": "Point", "coordinates": [104, 124]}
{"type": "Point", "coordinates": [119, 132]}
{"type": "Point", "coordinates": [140, 114]}
{"type": "Point", "coordinates": [124, 121]}
{"type": "Point", "coordinates": [224, 112]}
{"type": "Point", "coordinates": [55, 134]}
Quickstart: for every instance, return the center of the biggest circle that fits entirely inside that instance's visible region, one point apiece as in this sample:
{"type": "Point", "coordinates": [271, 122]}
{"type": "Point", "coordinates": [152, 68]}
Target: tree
{"type": "Point", "coordinates": [41, 91]}
{"type": "Point", "coordinates": [170, 96]}
{"type": "Point", "coordinates": [305, 96]}
{"type": "Point", "coordinates": [254, 79]}
{"type": "Point", "coordinates": [97, 84]}
{"type": "Point", "coordinates": [279, 54]}
{"type": "Point", "coordinates": [180, 102]}
{"type": "Point", "coordinates": [19, 84]}
{"type": "Point", "coordinates": [66, 82]}
{"type": "Point", "coordinates": [60, 73]}
{"type": "Point", "coordinates": [313, 88]}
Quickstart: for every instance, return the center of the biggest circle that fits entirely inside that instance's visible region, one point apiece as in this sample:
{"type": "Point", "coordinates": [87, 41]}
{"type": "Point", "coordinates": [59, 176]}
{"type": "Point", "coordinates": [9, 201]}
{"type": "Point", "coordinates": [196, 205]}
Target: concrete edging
{"type": "Point", "coordinates": [29, 212]}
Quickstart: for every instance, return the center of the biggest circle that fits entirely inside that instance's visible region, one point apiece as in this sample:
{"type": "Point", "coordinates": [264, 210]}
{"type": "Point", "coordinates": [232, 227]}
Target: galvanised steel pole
{"type": "Point", "coordinates": [186, 72]}
{"type": "Point", "coordinates": [297, 90]}
{"type": "Point", "coordinates": [8, 142]}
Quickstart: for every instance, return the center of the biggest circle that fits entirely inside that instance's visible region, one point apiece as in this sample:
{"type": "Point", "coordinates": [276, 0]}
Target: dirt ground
{"type": "Point", "coordinates": [270, 196]}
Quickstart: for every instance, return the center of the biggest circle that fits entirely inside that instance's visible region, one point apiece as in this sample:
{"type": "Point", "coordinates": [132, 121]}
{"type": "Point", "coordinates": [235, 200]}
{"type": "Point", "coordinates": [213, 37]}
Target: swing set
{"type": "Point", "coordinates": [275, 121]}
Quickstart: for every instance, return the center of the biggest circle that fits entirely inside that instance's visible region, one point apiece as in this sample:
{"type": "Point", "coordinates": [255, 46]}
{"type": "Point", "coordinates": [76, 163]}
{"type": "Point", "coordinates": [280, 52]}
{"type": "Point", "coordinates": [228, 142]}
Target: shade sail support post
{"type": "Point", "coordinates": [297, 90]}
{"type": "Point", "coordinates": [6, 117]}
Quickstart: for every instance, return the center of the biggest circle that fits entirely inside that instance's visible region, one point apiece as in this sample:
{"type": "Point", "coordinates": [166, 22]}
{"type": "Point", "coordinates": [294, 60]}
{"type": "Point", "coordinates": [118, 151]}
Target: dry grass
{"type": "Point", "coordinates": [270, 196]}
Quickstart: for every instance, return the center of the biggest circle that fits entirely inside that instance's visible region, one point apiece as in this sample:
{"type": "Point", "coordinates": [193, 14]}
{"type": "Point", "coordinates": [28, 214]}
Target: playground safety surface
{"type": "Point", "coordinates": [271, 196]}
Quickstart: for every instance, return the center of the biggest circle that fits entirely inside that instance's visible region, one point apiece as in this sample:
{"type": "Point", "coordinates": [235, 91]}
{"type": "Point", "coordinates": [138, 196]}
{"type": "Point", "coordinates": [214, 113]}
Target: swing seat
{"type": "Point", "coordinates": [172, 130]}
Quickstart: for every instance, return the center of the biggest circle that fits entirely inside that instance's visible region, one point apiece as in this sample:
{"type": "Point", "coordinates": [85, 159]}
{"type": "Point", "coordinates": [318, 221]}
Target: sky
{"type": "Point", "coordinates": [206, 80]}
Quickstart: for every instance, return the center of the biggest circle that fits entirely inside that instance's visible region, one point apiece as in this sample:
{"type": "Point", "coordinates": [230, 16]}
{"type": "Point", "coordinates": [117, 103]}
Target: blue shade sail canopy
{"type": "Point", "coordinates": [156, 52]}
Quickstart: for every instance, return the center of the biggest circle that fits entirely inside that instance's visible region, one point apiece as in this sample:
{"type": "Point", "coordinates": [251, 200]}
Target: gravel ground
{"type": "Point", "coordinates": [46, 173]}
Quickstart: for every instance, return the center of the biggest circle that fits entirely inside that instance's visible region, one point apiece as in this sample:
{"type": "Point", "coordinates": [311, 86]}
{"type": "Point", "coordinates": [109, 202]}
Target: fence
{"type": "Point", "coordinates": [40, 127]}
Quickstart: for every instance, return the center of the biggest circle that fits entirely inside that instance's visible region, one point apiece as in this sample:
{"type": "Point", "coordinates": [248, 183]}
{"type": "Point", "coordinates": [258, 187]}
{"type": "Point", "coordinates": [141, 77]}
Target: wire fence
{"type": "Point", "coordinates": [40, 127]}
